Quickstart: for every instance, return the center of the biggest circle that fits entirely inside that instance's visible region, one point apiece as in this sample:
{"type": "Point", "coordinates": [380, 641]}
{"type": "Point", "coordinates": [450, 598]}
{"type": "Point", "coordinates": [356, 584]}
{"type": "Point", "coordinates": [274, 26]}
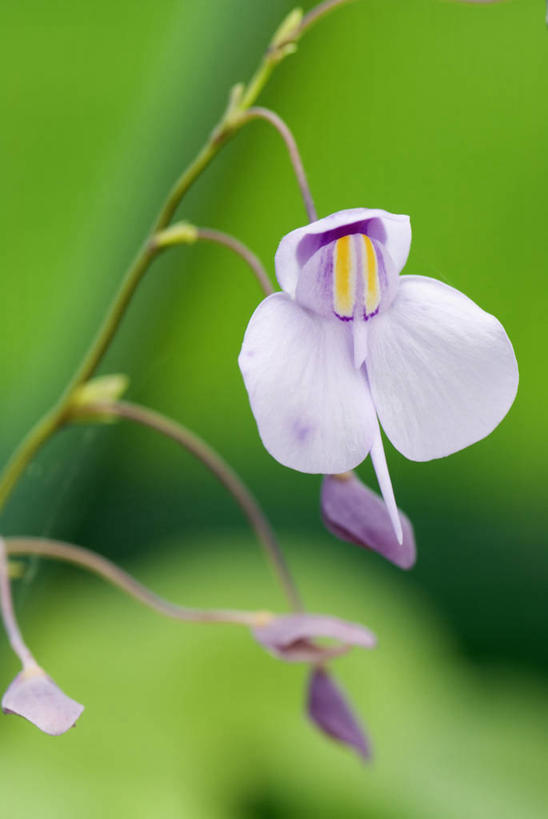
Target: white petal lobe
{"type": "Point", "coordinates": [442, 371]}
{"type": "Point", "coordinates": [312, 407]}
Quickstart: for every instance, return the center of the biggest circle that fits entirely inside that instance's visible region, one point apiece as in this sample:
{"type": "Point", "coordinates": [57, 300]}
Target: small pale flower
{"type": "Point", "coordinates": [292, 637]}
{"type": "Point", "coordinates": [355, 513]}
{"type": "Point", "coordinates": [349, 343]}
{"type": "Point", "coordinates": [34, 696]}
{"type": "Point", "coordinates": [330, 712]}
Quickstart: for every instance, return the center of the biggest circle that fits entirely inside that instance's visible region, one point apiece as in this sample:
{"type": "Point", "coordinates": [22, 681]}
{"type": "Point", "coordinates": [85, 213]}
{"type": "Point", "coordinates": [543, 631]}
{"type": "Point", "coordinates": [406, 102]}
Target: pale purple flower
{"type": "Point", "coordinates": [349, 343]}
{"type": "Point", "coordinates": [355, 513]}
{"type": "Point", "coordinates": [291, 637]}
{"type": "Point", "coordinates": [34, 696]}
{"type": "Point", "coordinates": [328, 709]}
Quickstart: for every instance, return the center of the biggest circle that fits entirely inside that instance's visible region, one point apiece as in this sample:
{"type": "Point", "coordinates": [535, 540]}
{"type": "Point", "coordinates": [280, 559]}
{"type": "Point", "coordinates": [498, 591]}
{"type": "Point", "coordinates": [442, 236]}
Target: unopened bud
{"type": "Point", "coordinates": [105, 389]}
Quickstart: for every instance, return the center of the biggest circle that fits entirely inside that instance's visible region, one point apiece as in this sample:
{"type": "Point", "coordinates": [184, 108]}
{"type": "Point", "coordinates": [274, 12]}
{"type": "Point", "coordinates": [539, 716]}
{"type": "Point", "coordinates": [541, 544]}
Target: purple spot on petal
{"type": "Point", "coordinates": [302, 430]}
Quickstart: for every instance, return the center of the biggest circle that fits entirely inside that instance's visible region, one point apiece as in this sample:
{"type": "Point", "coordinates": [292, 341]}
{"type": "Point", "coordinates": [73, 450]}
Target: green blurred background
{"type": "Point", "coordinates": [435, 109]}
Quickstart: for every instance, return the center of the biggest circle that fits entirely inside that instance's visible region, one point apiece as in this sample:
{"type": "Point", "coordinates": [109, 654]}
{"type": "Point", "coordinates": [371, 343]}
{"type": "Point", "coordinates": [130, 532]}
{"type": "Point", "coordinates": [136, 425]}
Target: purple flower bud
{"type": "Point", "coordinates": [355, 513]}
{"type": "Point", "coordinates": [34, 696]}
{"type": "Point", "coordinates": [331, 713]}
{"type": "Point", "coordinates": [289, 638]}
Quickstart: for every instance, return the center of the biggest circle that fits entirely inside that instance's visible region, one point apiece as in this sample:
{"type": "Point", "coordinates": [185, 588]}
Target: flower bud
{"type": "Point", "coordinates": [330, 712]}
{"type": "Point", "coordinates": [288, 29]}
{"type": "Point", "coordinates": [355, 513]}
{"type": "Point", "coordinates": [104, 389]}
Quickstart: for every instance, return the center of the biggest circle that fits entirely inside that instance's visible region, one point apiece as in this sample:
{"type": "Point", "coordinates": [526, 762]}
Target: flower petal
{"type": "Point", "coordinates": [330, 712]}
{"type": "Point", "coordinates": [391, 229]}
{"type": "Point", "coordinates": [312, 407]}
{"type": "Point", "coordinates": [355, 513]}
{"type": "Point", "coordinates": [34, 696]}
{"type": "Point", "coordinates": [288, 637]}
{"type": "Point", "coordinates": [359, 337]}
{"type": "Point", "coordinates": [442, 371]}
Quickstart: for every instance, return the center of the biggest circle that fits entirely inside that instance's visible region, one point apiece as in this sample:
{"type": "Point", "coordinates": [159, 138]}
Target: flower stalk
{"type": "Point", "coordinates": [183, 233]}
{"type": "Point", "coordinates": [8, 614]}
{"type": "Point", "coordinates": [32, 694]}
{"type": "Point", "coordinates": [293, 150]}
{"type": "Point", "coordinates": [222, 471]}
{"type": "Point", "coordinates": [104, 568]}
{"type": "Point", "coordinates": [241, 99]}
{"type": "Point", "coordinates": [216, 236]}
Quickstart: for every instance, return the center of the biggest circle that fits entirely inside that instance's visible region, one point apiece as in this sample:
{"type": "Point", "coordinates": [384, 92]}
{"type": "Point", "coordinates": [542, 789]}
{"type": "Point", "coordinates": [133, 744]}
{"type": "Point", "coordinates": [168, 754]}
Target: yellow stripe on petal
{"type": "Point", "coordinates": [372, 290]}
{"type": "Point", "coordinates": [344, 277]}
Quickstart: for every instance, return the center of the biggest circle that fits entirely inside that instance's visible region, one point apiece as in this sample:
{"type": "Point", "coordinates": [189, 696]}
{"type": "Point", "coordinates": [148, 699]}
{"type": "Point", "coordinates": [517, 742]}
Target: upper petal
{"type": "Point", "coordinates": [442, 371]}
{"type": "Point", "coordinates": [391, 229]}
{"type": "Point", "coordinates": [312, 406]}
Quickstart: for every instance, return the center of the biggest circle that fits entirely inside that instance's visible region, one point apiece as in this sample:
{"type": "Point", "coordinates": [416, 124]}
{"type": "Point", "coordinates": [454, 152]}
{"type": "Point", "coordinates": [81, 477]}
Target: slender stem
{"type": "Point", "coordinates": [99, 565]}
{"type": "Point", "coordinates": [225, 474]}
{"type": "Point", "coordinates": [114, 316]}
{"type": "Point", "coordinates": [183, 233]}
{"type": "Point", "coordinates": [45, 427]}
{"type": "Point", "coordinates": [8, 614]}
{"type": "Point", "coordinates": [312, 17]}
{"type": "Point", "coordinates": [294, 155]}
{"type": "Point", "coordinates": [230, 123]}
{"type": "Point", "coordinates": [210, 235]}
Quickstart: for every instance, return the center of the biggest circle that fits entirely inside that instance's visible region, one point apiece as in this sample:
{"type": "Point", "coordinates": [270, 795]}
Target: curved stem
{"type": "Point", "coordinates": [210, 235]}
{"type": "Point", "coordinates": [8, 614]}
{"type": "Point", "coordinates": [225, 474]}
{"type": "Point", "coordinates": [294, 155]}
{"type": "Point", "coordinates": [115, 313]}
{"type": "Point", "coordinates": [319, 11]}
{"type": "Point", "coordinates": [229, 124]}
{"type": "Point", "coordinates": [183, 233]}
{"type": "Point", "coordinates": [22, 456]}
{"type": "Point", "coordinates": [93, 562]}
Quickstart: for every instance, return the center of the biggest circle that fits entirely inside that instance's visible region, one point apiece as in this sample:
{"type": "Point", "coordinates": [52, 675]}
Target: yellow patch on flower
{"type": "Point", "coordinates": [344, 277]}
{"type": "Point", "coordinates": [370, 271]}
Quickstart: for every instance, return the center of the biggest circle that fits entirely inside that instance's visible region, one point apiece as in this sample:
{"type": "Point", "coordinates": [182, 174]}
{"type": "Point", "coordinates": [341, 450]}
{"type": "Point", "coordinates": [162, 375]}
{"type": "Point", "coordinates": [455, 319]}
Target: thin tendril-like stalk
{"type": "Point", "coordinates": [320, 11]}
{"type": "Point", "coordinates": [184, 233]}
{"type": "Point", "coordinates": [99, 565]}
{"type": "Point", "coordinates": [8, 614]}
{"type": "Point", "coordinates": [210, 235]}
{"type": "Point", "coordinates": [225, 474]}
{"type": "Point", "coordinates": [294, 155]}
{"type": "Point", "coordinates": [241, 99]}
